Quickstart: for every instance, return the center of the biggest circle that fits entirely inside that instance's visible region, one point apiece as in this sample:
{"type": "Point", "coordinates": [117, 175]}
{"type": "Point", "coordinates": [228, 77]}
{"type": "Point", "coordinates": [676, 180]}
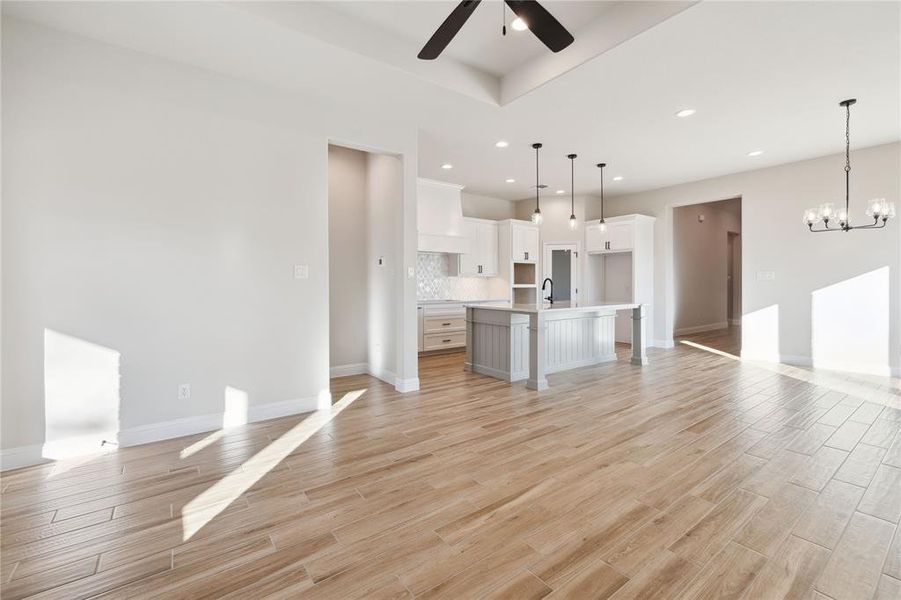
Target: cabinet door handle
{"type": "Point", "coordinates": [445, 341]}
{"type": "Point", "coordinates": [480, 268]}
{"type": "Point", "coordinates": [526, 254]}
{"type": "Point", "coordinates": [445, 324]}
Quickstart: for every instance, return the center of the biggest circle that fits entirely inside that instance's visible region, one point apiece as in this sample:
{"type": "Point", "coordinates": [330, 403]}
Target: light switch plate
{"type": "Point", "coordinates": [301, 271]}
{"type": "Point", "coordinates": [184, 391]}
{"type": "Point", "coordinates": [411, 272]}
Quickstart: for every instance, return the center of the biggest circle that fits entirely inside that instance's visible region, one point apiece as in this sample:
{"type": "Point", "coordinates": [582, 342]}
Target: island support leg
{"type": "Point", "coordinates": [537, 352]}
{"type": "Point", "coordinates": [467, 364]}
{"type": "Point", "coordinates": [639, 335]}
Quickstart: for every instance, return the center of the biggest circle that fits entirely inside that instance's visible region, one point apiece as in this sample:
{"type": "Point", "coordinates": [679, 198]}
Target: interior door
{"type": "Point", "coordinates": [561, 265]}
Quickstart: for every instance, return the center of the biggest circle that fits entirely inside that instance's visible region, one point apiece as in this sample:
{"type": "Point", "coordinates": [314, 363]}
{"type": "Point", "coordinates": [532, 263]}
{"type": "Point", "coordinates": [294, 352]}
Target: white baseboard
{"type": "Point", "coordinates": [156, 432]}
{"type": "Point", "coordinates": [384, 374]}
{"type": "Point", "coordinates": [411, 384]}
{"type": "Point", "coordinates": [348, 369]}
{"type": "Point", "coordinates": [23, 456]}
{"type": "Point", "coordinates": [664, 344]}
{"type": "Point", "coordinates": [14, 458]}
{"type": "Point", "coordinates": [701, 328]}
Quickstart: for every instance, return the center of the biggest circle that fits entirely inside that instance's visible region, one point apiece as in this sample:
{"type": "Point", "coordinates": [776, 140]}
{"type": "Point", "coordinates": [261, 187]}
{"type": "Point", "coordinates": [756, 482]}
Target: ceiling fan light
{"type": "Point", "coordinates": [519, 25]}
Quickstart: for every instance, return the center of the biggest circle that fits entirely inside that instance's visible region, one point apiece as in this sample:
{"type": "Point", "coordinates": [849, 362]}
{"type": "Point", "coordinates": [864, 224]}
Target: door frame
{"type": "Point", "coordinates": [575, 266]}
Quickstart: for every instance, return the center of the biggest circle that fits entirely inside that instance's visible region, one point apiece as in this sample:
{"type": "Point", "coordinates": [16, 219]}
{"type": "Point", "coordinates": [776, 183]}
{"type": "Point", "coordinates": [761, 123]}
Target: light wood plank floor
{"type": "Point", "coordinates": [697, 477]}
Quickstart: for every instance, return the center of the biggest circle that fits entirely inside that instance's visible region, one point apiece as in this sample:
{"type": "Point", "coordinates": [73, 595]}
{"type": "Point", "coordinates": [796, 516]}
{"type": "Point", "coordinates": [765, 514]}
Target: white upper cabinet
{"type": "Point", "coordinates": [618, 237]}
{"type": "Point", "coordinates": [525, 243]}
{"type": "Point", "coordinates": [482, 261]}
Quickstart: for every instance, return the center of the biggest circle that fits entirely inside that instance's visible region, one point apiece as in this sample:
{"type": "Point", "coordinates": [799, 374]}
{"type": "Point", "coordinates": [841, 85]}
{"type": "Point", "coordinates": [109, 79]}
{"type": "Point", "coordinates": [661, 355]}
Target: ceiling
{"type": "Point", "coordinates": [480, 43]}
{"type": "Point", "coordinates": [761, 75]}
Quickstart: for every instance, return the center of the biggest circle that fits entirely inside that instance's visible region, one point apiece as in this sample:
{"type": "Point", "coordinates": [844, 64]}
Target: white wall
{"type": "Point", "coordinates": [555, 211]}
{"type": "Point", "coordinates": [486, 207]}
{"type": "Point", "coordinates": [700, 264]}
{"type": "Point", "coordinates": [835, 299]}
{"type": "Point", "coordinates": [348, 264]}
{"type": "Point", "coordinates": [157, 210]}
{"type": "Point", "coordinates": [384, 194]}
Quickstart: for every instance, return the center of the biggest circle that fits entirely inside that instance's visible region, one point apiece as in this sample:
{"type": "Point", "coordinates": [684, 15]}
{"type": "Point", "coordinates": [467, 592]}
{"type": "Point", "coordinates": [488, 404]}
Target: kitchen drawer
{"type": "Point", "coordinates": [444, 309]}
{"type": "Point", "coordinates": [451, 339]}
{"type": "Point", "coordinates": [434, 324]}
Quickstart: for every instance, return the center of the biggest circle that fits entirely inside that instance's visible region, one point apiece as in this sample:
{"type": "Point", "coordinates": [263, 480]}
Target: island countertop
{"type": "Point", "coordinates": [556, 306]}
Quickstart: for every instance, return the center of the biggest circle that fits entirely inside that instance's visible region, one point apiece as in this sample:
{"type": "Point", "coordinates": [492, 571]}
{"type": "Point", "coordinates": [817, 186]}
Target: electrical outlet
{"type": "Point", "coordinates": [411, 273]}
{"type": "Point", "coordinates": [184, 391]}
{"type": "Point", "coordinates": [766, 275]}
{"type": "Point", "coordinates": [301, 272]}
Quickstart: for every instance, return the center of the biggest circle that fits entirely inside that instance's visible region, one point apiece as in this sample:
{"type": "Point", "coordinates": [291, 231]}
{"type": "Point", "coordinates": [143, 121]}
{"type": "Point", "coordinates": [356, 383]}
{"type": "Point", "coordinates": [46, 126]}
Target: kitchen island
{"type": "Point", "coordinates": [528, 341]}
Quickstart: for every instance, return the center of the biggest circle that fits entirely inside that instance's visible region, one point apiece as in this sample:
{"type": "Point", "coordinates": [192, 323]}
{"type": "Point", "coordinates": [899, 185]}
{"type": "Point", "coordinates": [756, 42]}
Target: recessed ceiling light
{"type": "Point", "coordinates": [685, 112]}
{"type": "Point", "coordinates": [755, 152]}
{"type": "Point", "coordinates": [519, 25]}
{"type": "Point", "coordinates": [561, 191]}
{"type": "Point", "coordinates": [501, 144]}
{"type": "Point", "coordinates": [510, 180]}
{"type": "Point", "coordinates": [447, 166]}
{"type": "Point", "coordinates": [618, 178]}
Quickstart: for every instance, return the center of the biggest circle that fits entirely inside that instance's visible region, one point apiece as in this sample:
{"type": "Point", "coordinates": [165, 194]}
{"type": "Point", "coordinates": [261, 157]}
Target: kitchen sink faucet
{"type": "Point", "coordinates": [548, 280]}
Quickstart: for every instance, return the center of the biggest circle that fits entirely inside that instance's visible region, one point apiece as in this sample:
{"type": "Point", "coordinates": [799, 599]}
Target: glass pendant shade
{"type": "Point", "coordinates": [536, 217]}
{"type": "Point", "coordinates": [811, 217]}
{"type": "Point", "coordinates": [603, 226]}
{"type": "Point", "coordinates": [826, 211]}
{"type": "Point", "coordinates": [573, 223]}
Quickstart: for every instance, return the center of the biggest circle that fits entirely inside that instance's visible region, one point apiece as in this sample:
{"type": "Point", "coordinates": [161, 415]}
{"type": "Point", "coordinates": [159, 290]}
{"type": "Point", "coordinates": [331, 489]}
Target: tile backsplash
{"type": "Point", "coordinates": [434, 283]}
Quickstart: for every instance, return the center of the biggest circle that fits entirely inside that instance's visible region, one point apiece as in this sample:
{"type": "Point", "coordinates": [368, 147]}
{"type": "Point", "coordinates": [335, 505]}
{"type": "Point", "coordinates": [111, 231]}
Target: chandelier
{"type": "Point", "coordinates": [880, 210]}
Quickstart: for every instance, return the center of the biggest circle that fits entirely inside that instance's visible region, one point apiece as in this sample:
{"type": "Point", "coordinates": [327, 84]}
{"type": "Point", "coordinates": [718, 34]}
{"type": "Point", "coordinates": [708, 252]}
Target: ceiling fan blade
{"type": "Point", "coordinates": [446, 32]}
{"type": "Point", "coordinates": [542, 23]}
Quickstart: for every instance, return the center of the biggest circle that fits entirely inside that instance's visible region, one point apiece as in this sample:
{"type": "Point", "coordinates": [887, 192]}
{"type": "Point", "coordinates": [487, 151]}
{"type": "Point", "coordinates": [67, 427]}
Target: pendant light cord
{"type": "Point", "coordinates": [847, 160]}
{"type": "Point", "coordinates": [537, 189]}
{"type": "Point", "coordinates": [572, 183]}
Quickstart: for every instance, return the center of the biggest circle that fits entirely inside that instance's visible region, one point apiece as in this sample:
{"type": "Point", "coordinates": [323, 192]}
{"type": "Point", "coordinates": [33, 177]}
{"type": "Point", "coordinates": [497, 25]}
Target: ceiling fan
{"type": "Point", "coordinates": [540, 22]}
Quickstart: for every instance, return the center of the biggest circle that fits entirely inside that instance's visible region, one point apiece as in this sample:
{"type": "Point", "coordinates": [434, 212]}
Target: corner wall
{"type": "Point", "coordinates": [157, 210]}
{"type": "Point", "coordinates": [835, 298]}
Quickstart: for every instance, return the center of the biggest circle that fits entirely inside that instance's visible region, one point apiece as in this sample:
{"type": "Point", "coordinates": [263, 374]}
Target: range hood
{"type": "Point", "coordinates": [439, 218]}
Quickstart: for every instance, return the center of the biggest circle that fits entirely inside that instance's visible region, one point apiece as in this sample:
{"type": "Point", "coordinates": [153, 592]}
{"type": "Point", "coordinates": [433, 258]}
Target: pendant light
{"type": "Point", "coordinates": [878, 209]}
{"type": "Point", "coordinates": [573, 223]}
{"type": "Point", "coordinates": [536, 216]}
{"type": "Point", "coordinates": [603, 224]}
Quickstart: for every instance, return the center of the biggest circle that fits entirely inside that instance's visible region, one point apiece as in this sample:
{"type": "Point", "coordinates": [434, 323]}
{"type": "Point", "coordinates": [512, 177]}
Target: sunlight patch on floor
{"type": "Point", "coordinates": [842, 383]}
{"type": "Point", "coordinates": [206, 506]}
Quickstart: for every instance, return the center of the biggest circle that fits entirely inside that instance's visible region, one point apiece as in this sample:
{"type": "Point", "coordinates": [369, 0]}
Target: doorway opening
{"type": "Point", "coordinates": [707, 274]}
{"type": "Point", "coordinates": [364, 189]}
{"type": "Point", "coordinates": [561, 266]}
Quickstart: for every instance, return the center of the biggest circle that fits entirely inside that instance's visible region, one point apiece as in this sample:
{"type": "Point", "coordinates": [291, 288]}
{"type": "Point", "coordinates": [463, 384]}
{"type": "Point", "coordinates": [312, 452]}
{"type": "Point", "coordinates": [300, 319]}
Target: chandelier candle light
{"type": "Point", "coordinates": [880, 210]}
{"type": "Point", "coordinates": [536, 216]}
{"type": "Point", "coordinates": [603, 224]}
{"type": "Point", "coordinates": [573, 223]}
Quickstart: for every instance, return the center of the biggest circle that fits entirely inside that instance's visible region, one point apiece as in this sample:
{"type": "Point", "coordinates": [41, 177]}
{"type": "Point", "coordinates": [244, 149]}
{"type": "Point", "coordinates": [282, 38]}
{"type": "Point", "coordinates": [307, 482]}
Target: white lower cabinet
{"type": "Point", "coordinates": [442, 326]}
